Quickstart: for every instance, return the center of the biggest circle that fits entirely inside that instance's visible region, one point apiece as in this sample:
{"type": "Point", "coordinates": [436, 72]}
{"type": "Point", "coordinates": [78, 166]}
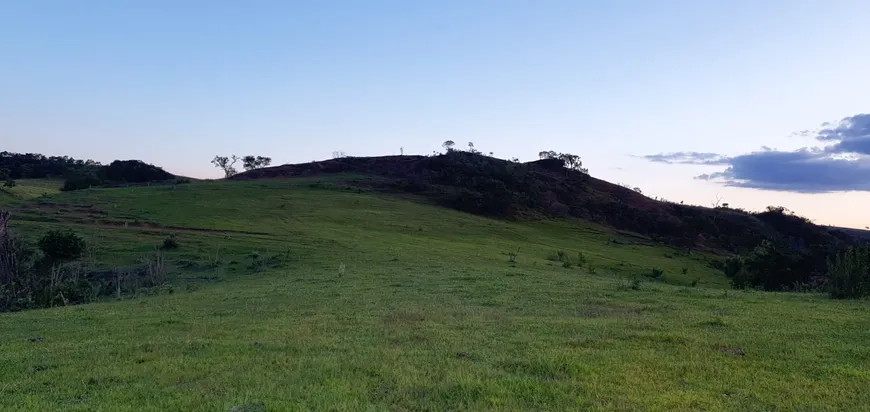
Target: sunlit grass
{"type": "Point", "coordinates": [387, 304]}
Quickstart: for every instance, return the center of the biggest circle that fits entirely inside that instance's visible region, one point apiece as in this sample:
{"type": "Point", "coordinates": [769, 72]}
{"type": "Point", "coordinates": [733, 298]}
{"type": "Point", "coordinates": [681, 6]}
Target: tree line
{"type": "Point", "coordinates": [78, 173]}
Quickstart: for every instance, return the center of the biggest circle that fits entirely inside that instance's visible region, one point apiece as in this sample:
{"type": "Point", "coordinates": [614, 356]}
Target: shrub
{"type": "Point", "coordinates": [567, 264]}
{"type": "Point", "coordinates": [655, 273]}
{"type": "Point", "coordinates": [695, 282]}
{"type": "Point", "coordinates": [62, 245]}
{"type": "Point", "coordinates": [633, 284]}
{"type": "Point", "coordinates": [79, 182]}
{"type": "Point", "coordinates": [590, 269]}
{"type": "Point", "coordinates": [512, 256]}
{"type": "Point", "coordinates": [769, 266]}
{"type": "Point", "coordinates": [685, 271]}
{"type": "Point", "coordinates": [16, 271]}
{"type": "Point", "coordinates": [156, 270]}
{"type": "Point", "coordinates": [170, 243]}
{"type": "Point", "coordinates": [849, 272]}
{"type": "Point", "coordinates": [581, 259]}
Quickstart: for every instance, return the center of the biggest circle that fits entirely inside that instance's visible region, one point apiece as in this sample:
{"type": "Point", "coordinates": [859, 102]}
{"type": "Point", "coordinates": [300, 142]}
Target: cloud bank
{"type": "Point", "coordinates": [842, 165]}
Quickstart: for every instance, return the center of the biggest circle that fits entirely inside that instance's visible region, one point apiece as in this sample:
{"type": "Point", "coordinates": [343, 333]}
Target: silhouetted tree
{"type": "Point", "coordinates": [250, 162]}
{"type": "Point", "coordinates": [571, 161]}
{"type": "Point", "coordinates": [226, 164]}
{"type": "Point", "coordinates": [6, 178]}
{"type": "Point", "coordinates": [448, 145]}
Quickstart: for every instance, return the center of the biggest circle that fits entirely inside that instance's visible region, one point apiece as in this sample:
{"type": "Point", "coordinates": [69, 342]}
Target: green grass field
{"type": "Point", "coordinates": [381, 303]}
{"type": "Point", "coordinates": [29, 189]}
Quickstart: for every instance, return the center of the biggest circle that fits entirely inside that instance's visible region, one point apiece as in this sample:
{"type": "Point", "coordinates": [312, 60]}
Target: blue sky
{"type": "Point", "coordinates": [176, 82]}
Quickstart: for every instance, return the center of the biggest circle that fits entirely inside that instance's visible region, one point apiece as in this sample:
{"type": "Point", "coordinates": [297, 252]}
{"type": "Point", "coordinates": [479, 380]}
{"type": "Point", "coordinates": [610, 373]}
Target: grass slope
{"type": "Point", "coordinates": [428, 314]}
{"type": "Point", "coordinates": [30, 188]}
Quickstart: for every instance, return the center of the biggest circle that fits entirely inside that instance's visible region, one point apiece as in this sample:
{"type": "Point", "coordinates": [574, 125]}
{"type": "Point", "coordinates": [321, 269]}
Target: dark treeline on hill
{"type": "Point", "coordinates": [79, 174]}
{"type": "Point", "coordinates": [485, 185]}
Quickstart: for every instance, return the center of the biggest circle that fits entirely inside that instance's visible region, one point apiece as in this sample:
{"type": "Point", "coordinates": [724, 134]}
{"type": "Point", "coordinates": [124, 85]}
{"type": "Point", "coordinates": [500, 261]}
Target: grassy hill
{"type": "Point", "coordinates": [29, 189]}
{"type": "Point", "coordinates": [489, 186]}
{"type": "Point", "coordinates": [318, 293]}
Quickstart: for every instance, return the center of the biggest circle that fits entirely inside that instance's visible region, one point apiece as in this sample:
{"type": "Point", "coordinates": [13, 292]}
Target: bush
{"type": "Point", "coordinates": [849, 272]}
{"type": "Point", "coordinates": [770, 267]}
{"type": "Point", "coordinates": [512, 256]}
{"type": "Point", "coordinates": [156, 270]}
{"type": "Point", "coordinates": [633, 284]}
{"type": "Point", "coordinates": [80, 182]}
{"type": "Point", "coordinates": [26, 283]}
{"type": "Point", "coordinates": [62, 245]}
{"type": "Point", "coordinates": [16, 269]}
{"type": "Point", "coordinates": [558, 256]}
{"type": "Point", "coordinates": [581, 259]}
{"type": "Point", "coordinates": [170, 243]}
{"type": "Point", "coordinates": [567, 265]}
{"type": "Point", "coordinates": [655, 273]}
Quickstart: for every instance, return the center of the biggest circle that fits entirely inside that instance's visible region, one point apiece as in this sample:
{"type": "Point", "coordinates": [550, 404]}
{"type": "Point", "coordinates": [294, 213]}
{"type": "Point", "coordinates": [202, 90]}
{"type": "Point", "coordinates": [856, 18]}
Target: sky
{"type": "Point", "coordinates": [753, 103]}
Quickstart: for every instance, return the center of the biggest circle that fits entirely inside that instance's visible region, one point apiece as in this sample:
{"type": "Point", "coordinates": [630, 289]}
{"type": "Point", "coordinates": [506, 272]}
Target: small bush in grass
{"type": "Point", "coordinates": [62, 245]}
{"type": "Point", "coordinates": [567, 265]}
{"type": "Point", "coordinates": [512, 256]}
{"type": "Point", "coordinates": [685, 271]}
{"type": "Point", "coordinates": [581, 259]}
{"type": "Point", "coordinates": [590, 269]}
{"type": "Point", "coordinates": [558, 256]}
{"type": "Point", "coordinates": [170, 243]}
{"type": "Point", "coordinates": [262, 262]}
{"type": "Point", "coordinates": [655, 273]}
{"type": "Point", "coordinates": [634, 284]}
{"type": "Point", "coordinates": [256, 261]}
{"type": "Point", "coordinates": [695, 282]}
{"type": "Point", "coordinates": [156, 270]}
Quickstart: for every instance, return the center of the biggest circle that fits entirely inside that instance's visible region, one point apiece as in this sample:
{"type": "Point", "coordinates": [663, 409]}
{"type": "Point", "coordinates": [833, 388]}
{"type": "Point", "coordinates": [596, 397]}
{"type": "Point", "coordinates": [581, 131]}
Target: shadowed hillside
{"type": "Point", "coordinates": [546, 188]}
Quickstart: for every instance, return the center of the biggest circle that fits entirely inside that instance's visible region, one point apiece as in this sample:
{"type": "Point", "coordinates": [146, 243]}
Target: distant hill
{"type": "Point", "coordinates": [78, 174]}
{"type": "Point", "coordinates": [858, 233]}
{"type": "Point", "coordinates": [485, 185]}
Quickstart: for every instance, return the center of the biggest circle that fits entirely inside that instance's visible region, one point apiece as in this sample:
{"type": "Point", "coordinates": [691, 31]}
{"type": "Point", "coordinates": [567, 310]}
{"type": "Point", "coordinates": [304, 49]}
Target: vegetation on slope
{"type": "Point", "coordinates": [79, 174]}
{"type": "Point", "coordinates": [379, 303]}
{"type": "Point", "coordinates": [484, 185]}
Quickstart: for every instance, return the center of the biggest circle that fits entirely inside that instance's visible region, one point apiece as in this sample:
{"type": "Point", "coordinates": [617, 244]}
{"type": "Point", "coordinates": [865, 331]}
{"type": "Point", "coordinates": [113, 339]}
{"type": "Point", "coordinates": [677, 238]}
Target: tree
{"type": "Point", "coordinates": [226, 164]}
{"type": "Point", "coordinates": [59, 245]}
{"type": "Point", "coordinates": [6, 178]}
{"type": "Point", "coordinates": [132, 171]}
{"type": "Point", "coordinates": [571, 161]}
{"type": "Point", "coordinates": [471, 148]}
{"type": "Point", "coordinates": [548, 154]}
{"type": "Point", "coordinates": [250, 162]}
{"type": "Point", "coordinates": [448, 145]}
